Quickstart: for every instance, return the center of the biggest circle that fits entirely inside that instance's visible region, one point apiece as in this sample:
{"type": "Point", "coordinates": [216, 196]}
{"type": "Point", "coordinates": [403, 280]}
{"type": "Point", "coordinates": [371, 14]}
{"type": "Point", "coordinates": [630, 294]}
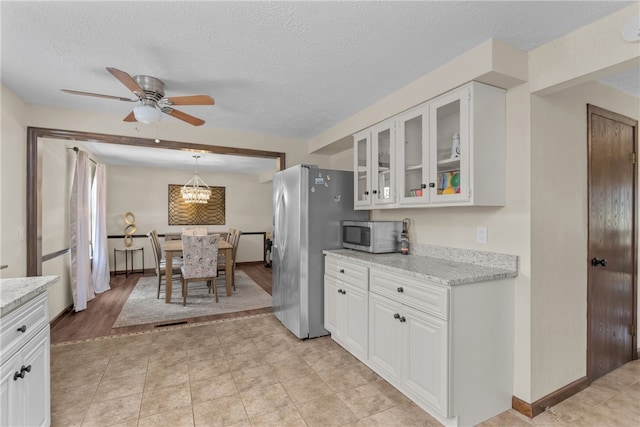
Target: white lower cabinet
{"type": "Point", "coordinates": [24, 373]}
{"type": "Point", "coordinates": [346, 305]}
{"type": "Point", "coordinates": [410, 350]}
{"type": "Point", "coordinates": [447, 348]}
{"type": "Point", "coordinates": [346, 315]}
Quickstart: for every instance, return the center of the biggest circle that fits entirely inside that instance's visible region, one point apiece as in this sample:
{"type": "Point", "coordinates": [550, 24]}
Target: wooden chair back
{"type": "Point", "coordinates": [154, 248]}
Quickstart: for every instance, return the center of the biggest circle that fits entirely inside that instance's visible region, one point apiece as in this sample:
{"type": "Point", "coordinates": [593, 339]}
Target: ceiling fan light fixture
{"type": "Point", "coordinates": [147, 112]}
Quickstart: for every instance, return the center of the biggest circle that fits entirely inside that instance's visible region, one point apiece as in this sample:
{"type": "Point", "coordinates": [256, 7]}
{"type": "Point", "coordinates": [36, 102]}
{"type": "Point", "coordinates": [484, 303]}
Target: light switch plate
{"type": "Point", "coordinates": [482, 235]}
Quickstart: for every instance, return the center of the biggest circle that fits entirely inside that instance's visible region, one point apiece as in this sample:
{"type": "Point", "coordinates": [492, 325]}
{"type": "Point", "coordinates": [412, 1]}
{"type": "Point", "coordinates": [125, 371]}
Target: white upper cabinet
{"type": "Point", "coordinates": [449, 148]}
{"type": "Point", "coordinates": [375, 163]}
{"type": "Point", "coordinates": [383, 185]}
{"type": "Point", "coordinates": [412, 147]}
{"type": "Point", "coordinates": [467, 147]}
{"type": "Point", "coordinates": [362, 169]}
{"type": "Point", "coordinates": [449, 151]}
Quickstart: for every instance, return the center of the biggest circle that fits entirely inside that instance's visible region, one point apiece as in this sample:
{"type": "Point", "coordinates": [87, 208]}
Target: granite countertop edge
{"type": "Point", "coordinates": [435, 270]}
{"type": "Point", "coordinates": [14, 292]}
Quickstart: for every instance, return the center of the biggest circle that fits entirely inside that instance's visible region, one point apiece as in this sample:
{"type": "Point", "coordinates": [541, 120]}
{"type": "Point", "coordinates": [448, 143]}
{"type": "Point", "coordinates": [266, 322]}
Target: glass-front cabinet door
{"type": "Point", "coordinates": [413, 152]}
{"type": "Point", "coordinates": [362, 169]}
{"type": "Point", "coordinates": [383, 163]}
{"type": "Point", "coordinates": [449, 147]}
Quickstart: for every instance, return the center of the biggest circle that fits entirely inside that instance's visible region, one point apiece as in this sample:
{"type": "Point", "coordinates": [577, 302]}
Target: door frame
{"type": "Point", "coordinates": [591, 110]}
{"type": "Point", "coordinates": [37, 136]}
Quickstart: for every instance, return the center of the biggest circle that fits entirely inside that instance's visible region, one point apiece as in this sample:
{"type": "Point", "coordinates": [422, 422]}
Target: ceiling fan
{"type": "Point", "coordinates": [152, 102]}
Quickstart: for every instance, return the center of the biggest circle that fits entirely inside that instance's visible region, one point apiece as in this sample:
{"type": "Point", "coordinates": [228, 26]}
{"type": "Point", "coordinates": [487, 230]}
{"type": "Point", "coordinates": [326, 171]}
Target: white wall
{"type": "Point", "coordinates": [144, 192]}
{"type": "Point", "coordinates": [57, 179]}
{"type": "Point", "coordinates": [559, 230]}
{"type": "Point", "coordinates": [170, 129]}
{"type": "Point", "coordinates": [17, 116]}
{"type": "Point", "coordinates": [558, 131]}
{"type": "Point", "coordinates": [13, 154]}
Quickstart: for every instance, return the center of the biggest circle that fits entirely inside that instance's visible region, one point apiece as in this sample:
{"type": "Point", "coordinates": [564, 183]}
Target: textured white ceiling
{"type": "Point", "coordinates": [284, 68]}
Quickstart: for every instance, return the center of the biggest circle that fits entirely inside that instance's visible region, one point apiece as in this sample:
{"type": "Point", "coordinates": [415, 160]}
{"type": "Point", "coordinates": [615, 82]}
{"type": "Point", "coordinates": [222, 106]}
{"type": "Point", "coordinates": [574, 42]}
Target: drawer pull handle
{"type": "Point", "coordinates": [400, 289]}
{"type": "Point", "coordinates": [396, 316]}
{"type": "Point", "coordinates": [22, 372]}
{"type": "Point", "coordinates": [403, 319]}
{"type": "Point", "coordinates": [22, 329]}
{"type": "Point", "coordinates": [339, 291]}
{"type": "Point", "coordinates": [342, 270]}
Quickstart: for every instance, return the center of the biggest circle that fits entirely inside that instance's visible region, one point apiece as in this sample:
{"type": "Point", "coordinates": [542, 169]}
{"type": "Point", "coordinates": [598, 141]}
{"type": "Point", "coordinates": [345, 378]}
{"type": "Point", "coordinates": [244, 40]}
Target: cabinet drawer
{"type": "Point", "coordinates": [31, 318]}
{"type": "Point", "coordinates": [354, 274]}
{"type": "Point", "coordinates": [419, 294]}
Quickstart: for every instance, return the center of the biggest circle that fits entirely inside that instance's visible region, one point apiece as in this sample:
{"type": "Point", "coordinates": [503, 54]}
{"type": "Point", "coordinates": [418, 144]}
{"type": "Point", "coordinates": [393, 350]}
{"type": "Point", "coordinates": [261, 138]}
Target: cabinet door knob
{"type": "Point", "coordinates": [339, 291]}
{"type": "Point", "coordinates": [400, 289]}
{"type": "Point", "coordinates": [396, 316]}
{"type": "Point", "coordinates": [22, 373]}
{"type": "Point", "coordinates": [22, 329]}
{"type": "Point", "coordinates": [366, 193]}
{"type": "Point", "coordinates": [375, 191]}
{"type": "Point", "coordinates": [423, 185]}
{"type": "Point", "coordinates": [403, 319]}
{"type": "Point", "coordinates": [342, 270]}
{"type": "Point", "coordinates": [432, 185]}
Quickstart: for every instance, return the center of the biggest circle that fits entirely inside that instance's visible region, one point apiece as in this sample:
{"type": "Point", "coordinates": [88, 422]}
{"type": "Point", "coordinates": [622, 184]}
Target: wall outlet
{"type": "Point", "coordinates": [482, 235]}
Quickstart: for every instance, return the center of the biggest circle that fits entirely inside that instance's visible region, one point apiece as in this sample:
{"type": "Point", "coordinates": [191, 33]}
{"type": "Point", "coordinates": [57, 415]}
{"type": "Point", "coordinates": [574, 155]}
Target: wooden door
{"type": "Point", "coordinates": [612, 251]}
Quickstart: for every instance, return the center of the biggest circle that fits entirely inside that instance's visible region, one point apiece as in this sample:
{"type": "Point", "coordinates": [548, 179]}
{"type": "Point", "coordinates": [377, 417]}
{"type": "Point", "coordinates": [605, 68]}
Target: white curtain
{"type": "Point", "coordinates": [100, 261]}
{"type": "Point", "coordinates": [79, 234]}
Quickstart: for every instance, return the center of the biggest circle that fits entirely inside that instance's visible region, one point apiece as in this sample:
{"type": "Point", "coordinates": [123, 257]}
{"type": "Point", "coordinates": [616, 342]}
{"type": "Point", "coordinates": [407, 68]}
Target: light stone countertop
{"type": "Point", "coordinates": [436, 270]}
{"type": "Point", "coordinates": [14, 292]}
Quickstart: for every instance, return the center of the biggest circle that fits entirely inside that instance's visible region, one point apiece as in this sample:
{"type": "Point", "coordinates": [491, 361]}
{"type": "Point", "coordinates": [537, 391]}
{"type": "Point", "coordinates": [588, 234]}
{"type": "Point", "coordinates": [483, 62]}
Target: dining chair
{"type": "Point", "coordinates": [159, 261]}
{"type": "Point", "coordinates": [195, 231]}
{"type": "Point", "coordinates": [200, 254]}
{"type": "Point", "coordinates": [233, 239]}
{"type": "Point", "coordinates": [227, 238]}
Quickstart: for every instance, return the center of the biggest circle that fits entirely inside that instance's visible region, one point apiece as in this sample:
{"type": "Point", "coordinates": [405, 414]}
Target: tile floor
{"type": "Point", "coordinates": [252, 372]}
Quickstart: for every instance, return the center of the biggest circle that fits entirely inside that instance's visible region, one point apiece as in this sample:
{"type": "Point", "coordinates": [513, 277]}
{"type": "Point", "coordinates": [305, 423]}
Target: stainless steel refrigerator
{"type": "Point", "coordinates": [309, 205]}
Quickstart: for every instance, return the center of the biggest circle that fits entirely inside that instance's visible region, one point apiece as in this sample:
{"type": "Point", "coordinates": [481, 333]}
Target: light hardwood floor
{"type": "Point", "coordinates": [248, 370]}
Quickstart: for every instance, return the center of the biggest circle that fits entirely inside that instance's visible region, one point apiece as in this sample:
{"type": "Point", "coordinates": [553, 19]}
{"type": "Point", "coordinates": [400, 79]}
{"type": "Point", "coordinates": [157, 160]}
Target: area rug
{"type": "Point", "coordinates": [143, 306]}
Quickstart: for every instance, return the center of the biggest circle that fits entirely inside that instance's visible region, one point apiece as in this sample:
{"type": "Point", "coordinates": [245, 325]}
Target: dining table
{"type": "Point", "coordinates": [172, 247]}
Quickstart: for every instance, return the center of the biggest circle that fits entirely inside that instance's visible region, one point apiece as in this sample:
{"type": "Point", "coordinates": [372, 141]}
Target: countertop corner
{"type": "Point", "coordinates": [14, 292]}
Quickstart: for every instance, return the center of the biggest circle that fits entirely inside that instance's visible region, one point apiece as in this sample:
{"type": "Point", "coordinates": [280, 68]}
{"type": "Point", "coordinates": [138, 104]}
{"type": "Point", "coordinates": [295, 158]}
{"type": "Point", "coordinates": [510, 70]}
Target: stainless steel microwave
{"type": "Point", "coordinates": [372, 236]}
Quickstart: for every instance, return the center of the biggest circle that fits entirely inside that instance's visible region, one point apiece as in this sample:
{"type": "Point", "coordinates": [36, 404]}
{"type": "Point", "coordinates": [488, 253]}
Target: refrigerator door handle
{"type": "Point", "coordinates": [281, 221]}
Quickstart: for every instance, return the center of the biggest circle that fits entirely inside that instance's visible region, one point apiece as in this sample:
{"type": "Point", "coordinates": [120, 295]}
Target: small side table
{"type": "Point", "coordinates": [128, 253]}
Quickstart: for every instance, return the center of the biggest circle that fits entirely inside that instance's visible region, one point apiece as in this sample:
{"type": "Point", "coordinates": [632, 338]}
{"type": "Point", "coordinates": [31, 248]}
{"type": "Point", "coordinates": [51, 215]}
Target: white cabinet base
{"type": "Point", "coordinates": [25, 373]}
{"type": "Point", "coordinates": [447, 348]}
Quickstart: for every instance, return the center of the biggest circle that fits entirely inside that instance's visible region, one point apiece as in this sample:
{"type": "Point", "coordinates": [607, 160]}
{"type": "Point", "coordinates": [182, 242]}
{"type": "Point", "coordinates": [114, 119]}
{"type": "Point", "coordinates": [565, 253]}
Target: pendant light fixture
{"type": "Point", "coordinates": [196, 191]}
